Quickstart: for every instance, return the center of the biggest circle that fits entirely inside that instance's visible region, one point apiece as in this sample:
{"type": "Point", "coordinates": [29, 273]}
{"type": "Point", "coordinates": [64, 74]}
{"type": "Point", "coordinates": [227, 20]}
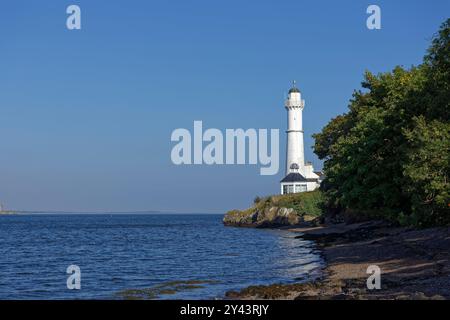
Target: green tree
{"type": "Point", "coordinates": [371, 151]}
{"type": "Point", "coordinates": [427, 172]}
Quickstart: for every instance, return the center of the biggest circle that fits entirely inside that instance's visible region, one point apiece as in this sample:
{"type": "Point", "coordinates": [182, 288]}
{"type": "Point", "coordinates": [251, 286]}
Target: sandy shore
{"type": "Point", "coordinates": [414, 264]}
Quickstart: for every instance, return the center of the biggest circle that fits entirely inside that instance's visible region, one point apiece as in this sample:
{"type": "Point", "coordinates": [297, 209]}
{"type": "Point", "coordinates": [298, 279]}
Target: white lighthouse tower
{"type": "Point", "coordinates": [294, 148]}
{"type": "Point", "coordinates": [300, 176]}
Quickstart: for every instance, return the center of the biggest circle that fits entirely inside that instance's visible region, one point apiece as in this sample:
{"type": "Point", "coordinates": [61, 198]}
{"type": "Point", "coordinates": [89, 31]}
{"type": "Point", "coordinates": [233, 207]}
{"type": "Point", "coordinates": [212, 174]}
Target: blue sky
{"type": "Point", "coordinates": [86, 115]}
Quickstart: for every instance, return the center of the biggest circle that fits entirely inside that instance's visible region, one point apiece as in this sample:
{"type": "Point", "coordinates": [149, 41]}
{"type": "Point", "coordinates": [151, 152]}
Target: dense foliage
{"type": "Point", "coordinates": [390, 153]}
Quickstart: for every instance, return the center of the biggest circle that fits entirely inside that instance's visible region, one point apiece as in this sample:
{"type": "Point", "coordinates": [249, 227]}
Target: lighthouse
{"type": "Point", "coordinates": [300, 176]}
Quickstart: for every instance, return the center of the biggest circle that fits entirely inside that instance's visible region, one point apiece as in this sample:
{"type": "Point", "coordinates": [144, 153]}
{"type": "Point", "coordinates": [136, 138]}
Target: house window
{"type": "Point", "coordinates": [300, 188]}
{"type": "Point", "coordinates": [288, 188]}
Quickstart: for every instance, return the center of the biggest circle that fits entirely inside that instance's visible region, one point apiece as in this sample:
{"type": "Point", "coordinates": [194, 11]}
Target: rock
{"type": "Point", "coordinates": [271, 217]}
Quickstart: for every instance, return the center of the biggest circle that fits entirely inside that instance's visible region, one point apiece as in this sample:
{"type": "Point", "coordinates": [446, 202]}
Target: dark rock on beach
{"type": "Point", "coordinates": [414, 264]}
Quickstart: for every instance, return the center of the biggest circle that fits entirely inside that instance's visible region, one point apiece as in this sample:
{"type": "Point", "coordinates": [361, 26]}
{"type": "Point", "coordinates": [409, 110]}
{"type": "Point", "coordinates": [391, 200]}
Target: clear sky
{"type": "Point", "coordinates": [86, 115]}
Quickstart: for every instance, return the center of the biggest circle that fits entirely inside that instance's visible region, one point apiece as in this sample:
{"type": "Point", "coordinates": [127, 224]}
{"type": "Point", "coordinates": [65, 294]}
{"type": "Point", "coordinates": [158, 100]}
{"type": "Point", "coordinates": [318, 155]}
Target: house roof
{"type": "Point", "coordinates": [296, 177]}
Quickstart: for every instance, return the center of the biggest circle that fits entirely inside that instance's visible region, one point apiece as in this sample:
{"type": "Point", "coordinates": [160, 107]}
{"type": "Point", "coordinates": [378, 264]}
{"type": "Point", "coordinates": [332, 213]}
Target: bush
{"type": "Point", "coordinates": [390, 152]}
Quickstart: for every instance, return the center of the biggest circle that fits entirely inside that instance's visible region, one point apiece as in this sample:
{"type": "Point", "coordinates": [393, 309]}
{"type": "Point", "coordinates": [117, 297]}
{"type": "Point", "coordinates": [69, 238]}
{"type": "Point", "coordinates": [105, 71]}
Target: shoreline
{"type": "Point", "coordinates": [415, 264]}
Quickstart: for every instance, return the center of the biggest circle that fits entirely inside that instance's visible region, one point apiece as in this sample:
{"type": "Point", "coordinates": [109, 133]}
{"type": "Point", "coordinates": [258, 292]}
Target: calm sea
{"type": "Point", "coordinates": [164, 256]}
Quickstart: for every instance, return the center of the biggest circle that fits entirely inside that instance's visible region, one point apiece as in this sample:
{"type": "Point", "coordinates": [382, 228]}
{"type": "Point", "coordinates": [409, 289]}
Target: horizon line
{"type": "Point", "coordinates": [102, 212]}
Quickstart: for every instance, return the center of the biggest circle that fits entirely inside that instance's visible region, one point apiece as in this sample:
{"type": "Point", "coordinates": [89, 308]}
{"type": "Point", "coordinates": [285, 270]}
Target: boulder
{"type": "Point", "coordinates": [271, 217]}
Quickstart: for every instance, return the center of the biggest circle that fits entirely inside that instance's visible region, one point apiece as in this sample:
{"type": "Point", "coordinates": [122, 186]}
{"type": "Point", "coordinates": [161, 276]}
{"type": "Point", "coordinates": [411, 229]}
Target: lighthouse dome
{"type": "Point", "coordinates": [294, 88]}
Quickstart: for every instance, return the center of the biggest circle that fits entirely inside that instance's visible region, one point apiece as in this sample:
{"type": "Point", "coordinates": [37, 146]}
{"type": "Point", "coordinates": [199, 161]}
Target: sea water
{"type": "Point", "coordinates": [168, 256]}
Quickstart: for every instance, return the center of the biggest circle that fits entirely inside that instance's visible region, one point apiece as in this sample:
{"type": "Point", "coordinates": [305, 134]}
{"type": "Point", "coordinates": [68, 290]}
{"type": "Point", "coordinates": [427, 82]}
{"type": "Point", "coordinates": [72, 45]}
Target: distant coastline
{"type": "Point", "coordinates": [8, 212]}
{"type": "Point", "coordinates": [25, 212]}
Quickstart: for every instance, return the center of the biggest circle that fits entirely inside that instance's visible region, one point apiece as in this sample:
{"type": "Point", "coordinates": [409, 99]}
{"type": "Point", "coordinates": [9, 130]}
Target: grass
{"type": "Point", "coordinates": [305, 203]}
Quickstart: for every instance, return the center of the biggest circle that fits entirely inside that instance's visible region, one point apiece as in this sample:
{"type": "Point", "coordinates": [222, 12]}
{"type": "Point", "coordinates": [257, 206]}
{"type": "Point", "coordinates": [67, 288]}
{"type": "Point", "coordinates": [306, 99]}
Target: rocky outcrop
{"type": "Point", "coordinates": [271, 217]}
{"type": "Point", "coordinates": [278, 211]}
